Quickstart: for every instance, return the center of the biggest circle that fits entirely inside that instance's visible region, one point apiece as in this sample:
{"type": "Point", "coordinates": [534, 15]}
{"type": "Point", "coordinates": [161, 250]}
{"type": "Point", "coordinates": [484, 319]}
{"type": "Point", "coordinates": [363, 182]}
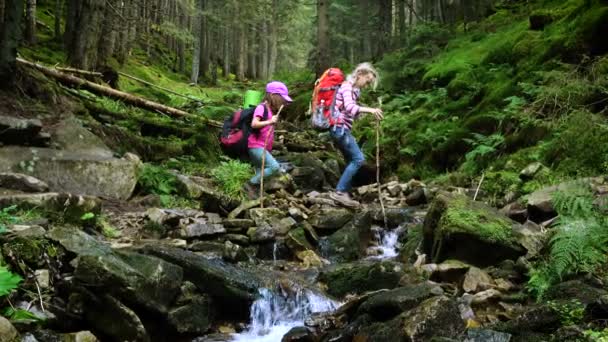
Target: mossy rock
{"type": "Point", "coordinates": [33, 252]}
{"type": "Point", "coordinates": [349, 242]}
{"type": "Point", "coordinates": [433, 319]}
{"type": "Point", "coordinates": [362, 276]}
{"type": "Point", "coordinates": [458, 228]}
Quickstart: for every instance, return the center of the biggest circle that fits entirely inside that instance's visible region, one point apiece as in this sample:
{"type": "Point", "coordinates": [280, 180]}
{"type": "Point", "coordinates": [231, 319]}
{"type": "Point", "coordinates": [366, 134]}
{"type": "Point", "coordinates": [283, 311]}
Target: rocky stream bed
{"type": "Point", "coordinates": [433, 265]}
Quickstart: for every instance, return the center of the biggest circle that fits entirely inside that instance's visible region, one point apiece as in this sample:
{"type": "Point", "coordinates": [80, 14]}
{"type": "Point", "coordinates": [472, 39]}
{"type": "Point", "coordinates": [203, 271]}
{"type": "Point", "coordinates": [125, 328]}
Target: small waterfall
{"type": "Point", "coordinates": [275, 249]}
{"type": "Point", "coordinates": [273, 315]}
{"type": "Point", "coordinates": [388, 243]}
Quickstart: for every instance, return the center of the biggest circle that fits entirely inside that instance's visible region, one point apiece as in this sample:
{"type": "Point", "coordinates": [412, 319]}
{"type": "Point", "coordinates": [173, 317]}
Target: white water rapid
{"type": "Point", "coordinates": [388, 243]}
{"type": "Point", "coordinates": [273, 315]}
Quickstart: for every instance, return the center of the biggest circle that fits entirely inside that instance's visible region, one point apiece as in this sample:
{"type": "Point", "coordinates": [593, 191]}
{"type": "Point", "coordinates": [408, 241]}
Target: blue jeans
{"type": "Point", "coordinates": [271, 166]}
{"type": "Point", "coordinates": [352, 155]}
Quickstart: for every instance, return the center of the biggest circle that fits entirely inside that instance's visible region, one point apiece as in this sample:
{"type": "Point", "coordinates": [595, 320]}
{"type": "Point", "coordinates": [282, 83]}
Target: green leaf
{"type": "Point", "coordinates": [87, 216]}
{"type": "Point", "coordinates": [20, 315]}
{"type": "Point", "coordinates": [8, 281]}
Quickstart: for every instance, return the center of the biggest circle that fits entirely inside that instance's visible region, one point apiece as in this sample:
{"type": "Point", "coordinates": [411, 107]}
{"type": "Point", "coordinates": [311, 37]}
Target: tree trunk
{"type": "Point", "coordinates": [85, 30]}
{"type": "Point", "coordinates": [400, 21]}
{"type": "Point", "coordinates": [107, 39]}
{"type": "Point", "coordinates": [264, 52]}
{"type": "Point", "coordinates": [384, 28]}
{"type": "Point", "coordinates": [30, 22]}
{"type": "Point", "coordinates": [242, 53]}
{"type": "Point", "coordinates": [197, 31]}
{"type": "Point", "coordinates": [364, 31]}
{"type": "Point", "coordinates": [58, 15]}
{"type": "Point", "coordinates": [227, 48]}
{"type": "Point", "coordinates": [323, 56]}
{"type": "Point", "coordinates": [205, 41]}
{"type": "Point", "coordinates": [11, 34]}
{"type": "Point", "coordinates": [272, 59]}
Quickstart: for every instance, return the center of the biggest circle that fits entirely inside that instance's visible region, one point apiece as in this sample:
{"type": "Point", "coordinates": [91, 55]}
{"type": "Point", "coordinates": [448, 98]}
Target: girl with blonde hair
{"type": "Point", "coordinates": [346, 105]}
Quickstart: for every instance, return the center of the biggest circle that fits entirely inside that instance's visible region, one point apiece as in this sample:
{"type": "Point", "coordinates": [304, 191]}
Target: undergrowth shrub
{"type": "Point", "coordinates": [157, 180]}
{"type": "Point", "coordinates": [231, 175]}
{"type": "Point", "coordinates": [580, 147]}
{"type": "Point", "coordinates": [580, 241]}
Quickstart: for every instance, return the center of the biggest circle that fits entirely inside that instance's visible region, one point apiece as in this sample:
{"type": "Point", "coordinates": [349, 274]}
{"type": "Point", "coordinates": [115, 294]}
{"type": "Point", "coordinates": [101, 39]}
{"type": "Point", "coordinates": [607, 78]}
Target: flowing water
{"type": "Point", "coordinates": [388, 243]}
{"type": "Point", "coordinates": [273, 315]}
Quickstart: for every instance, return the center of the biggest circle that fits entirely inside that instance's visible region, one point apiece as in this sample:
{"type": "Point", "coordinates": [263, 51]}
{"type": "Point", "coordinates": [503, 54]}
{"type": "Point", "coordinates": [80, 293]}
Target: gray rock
{"type": "Point", "coordinates": [435, 317]}
{"type": "Point", "coordinates": [234, 252]}
{"type": "Point", "coordinates": [447, 271]}
{"type": "Point", "coordinates": [43, 277]}
{"type": "Point", "coordinates": [145, 280]}
{"type": "Point", "coordinates": [8, 333]}
{"type": "Point", "coordinates": [18, 181]}
{"type": "Point", "coordinates": [81, 336]}
{"type": "Point", "coordinates": [330, 218]}
{"type": "Point", "coordinates": [190, 228]}
{"type": "Point", "coordinates": [238, 224]}
{"type": "Point", "coordinates": [308, 178]}
{"type": "Point", "coordinates": [27, 230]}
{"type": "Point", "coordinates": [237, 238]}
{"type": "Point", "coordinates": [111, 317]}
{"type": "Point", "coordinates": [261, 234]}
{"type": "Point", "coordinates": [265, 214]}
{"type": "Point", "coordinates": [78, 242]}
{"type": "Point", "coordinates": [530, 171]}
{"type": "Point", "coordinates": [220, 279]}
{"type": "Point", "coordinates": [76, 172]}
{"type": "Point", "coordinates": [532, 237]}
{"type": "Point", "coordinates": [476, 280]}
{"type": "Point", "coordinates": [297, 214]}
{"type": "Point", "coordinates": [350, 242]}
{"type": "Point", "coordinates": [486, 335]}
{"type": "Point", "coordinates": [388, 304]}
{"type": "Point", "coordinates": [284, 225]}
{"type": "Point", "coordinates": [194, 317]}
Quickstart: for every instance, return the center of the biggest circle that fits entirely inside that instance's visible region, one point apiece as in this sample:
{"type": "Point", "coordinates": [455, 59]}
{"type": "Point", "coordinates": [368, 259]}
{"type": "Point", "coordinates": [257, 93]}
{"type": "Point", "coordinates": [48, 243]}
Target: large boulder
{"type": "Point", "coordinates": [233, 287]}
{"type": "Point", "coordinates": [108, 316]}
{"type": "Point", "coordinates": [435, 317]}
{"type": "Point", "coordinates": [387, 304]}
{"type": "Point", "coordinates": [362, 276]}
{"type": "Point", "coordinates": [137, 279]}
{"type": "Point", "coordinates": [141, 280]}
{"type": "Point", "coordinates": [76, 172]}
{"type": "Point", "coordinates": [458, 228]}
{"type": "Point", "coordinates": [350, 242]}
{"type": "Point", "coordinates": [330, 218]}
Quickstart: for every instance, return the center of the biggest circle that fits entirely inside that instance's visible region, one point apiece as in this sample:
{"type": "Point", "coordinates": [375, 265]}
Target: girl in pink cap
{"type": "Point", "coordinates": [262, 136]}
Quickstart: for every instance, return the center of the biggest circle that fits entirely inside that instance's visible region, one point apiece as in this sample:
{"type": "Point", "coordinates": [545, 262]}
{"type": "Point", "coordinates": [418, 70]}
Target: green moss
{"type": "Point", "coordinates": [462, 217]}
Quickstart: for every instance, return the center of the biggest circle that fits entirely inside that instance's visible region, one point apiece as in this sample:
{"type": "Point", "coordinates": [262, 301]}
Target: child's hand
{"type": "Point", "coordinates": [377, 113]}
{"type": "Point", "coordinates": [274, 119]}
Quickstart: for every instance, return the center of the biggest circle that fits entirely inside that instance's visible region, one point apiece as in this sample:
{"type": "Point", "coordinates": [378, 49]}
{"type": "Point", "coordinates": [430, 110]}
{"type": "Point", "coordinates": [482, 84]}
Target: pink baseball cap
{"type": "Point", "coordinates": [276, 87]}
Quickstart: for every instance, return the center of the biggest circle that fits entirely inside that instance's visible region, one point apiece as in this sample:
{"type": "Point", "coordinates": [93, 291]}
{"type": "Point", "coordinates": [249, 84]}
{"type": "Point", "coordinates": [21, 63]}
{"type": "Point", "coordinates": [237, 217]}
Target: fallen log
{"type": "Point", "coordinates": [79, 71]}
{"type": "Point", "coordinates": [159, 87]}
{"type": "Point", "coordinates": [113, 93]}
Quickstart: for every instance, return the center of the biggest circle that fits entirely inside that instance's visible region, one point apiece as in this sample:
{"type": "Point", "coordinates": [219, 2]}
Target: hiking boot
{"type": "Point", "coordinates": [344, 199]}
{"type": "Point", "coordinates": [252, 191]}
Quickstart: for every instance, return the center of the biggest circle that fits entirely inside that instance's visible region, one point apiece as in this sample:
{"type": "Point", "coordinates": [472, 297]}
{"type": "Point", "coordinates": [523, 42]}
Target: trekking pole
{"type": "Point", "coordinates": [264, 161]}
{"type": "Point", "coordinates": [378, 166]}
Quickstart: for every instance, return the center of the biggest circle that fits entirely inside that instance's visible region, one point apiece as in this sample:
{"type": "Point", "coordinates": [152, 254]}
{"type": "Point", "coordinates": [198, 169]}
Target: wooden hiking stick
{"type": "Point", "coordinates": [264, 161]}
{"type": "Point", "coordinates": [378, 165]}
